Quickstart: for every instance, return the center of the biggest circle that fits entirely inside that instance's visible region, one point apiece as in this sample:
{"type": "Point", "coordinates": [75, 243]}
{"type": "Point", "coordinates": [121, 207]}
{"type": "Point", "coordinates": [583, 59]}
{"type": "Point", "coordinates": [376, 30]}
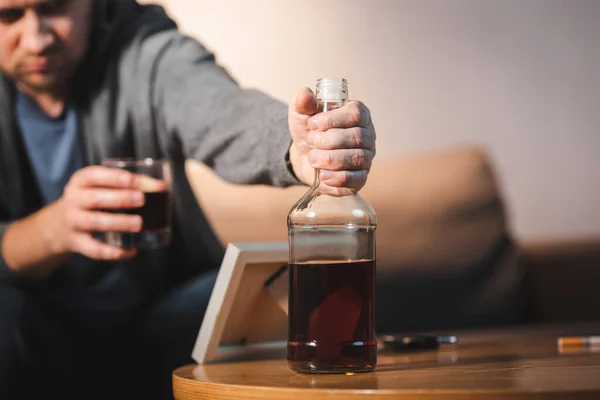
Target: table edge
{"type": "Point", "coordinates": [492, 391]}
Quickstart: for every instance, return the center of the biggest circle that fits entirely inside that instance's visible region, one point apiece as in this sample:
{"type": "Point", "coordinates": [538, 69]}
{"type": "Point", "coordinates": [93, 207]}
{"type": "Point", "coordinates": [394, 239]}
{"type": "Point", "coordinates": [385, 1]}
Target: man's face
{"type": "Point", "coordinates": [41, 41]}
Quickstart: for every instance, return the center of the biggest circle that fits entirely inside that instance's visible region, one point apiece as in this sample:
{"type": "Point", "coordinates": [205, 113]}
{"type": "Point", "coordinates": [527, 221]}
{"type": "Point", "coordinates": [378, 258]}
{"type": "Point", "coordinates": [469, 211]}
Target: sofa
{"type": "Point", "coordinates": [446, 256]}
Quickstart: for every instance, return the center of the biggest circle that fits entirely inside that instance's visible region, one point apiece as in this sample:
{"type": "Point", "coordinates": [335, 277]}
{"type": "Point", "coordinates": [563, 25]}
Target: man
{"type": "Point", "coordinates": [84, 80]}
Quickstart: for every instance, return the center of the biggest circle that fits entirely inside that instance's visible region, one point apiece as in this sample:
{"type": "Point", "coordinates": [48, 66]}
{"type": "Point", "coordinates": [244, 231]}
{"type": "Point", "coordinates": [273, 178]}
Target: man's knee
{"type": "Point", "coordinates": [171, 329]}
{"type": "Point", "coordinates": [13, 306]}
{"type": "Point", "coordinates": [173, 323]}
{"type": "Point", "coordinates": [183, 308]}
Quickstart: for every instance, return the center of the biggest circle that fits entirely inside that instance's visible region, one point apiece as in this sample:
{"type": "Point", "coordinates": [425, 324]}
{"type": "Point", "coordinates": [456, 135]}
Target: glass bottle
{"type": "Point", "coordinates": [332, 271]}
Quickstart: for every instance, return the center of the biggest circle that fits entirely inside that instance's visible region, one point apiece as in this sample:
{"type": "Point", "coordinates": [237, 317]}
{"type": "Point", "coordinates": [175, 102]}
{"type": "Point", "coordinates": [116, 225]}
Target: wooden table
{"type": "Point", "coordinates": [518, 363]}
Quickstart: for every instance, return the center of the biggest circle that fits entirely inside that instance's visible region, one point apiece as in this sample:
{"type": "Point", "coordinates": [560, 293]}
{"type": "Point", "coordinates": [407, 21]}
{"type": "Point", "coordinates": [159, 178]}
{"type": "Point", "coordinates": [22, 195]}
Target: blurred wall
{"type": "Point", "coordinates": [520, 77]}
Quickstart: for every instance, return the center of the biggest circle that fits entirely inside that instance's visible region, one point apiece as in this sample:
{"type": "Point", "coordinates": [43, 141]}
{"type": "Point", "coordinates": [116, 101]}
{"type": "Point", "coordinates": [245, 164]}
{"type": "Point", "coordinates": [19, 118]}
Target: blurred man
{"type": "Point", "coordinates": [84, 80]}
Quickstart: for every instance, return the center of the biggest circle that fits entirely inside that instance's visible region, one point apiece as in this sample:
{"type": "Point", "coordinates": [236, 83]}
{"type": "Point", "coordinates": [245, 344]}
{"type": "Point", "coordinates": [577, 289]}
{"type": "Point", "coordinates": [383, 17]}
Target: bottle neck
{"type": "Point", "coordinates": [324, 105]}
{"type": "Point", "coordinates": [320, 188]}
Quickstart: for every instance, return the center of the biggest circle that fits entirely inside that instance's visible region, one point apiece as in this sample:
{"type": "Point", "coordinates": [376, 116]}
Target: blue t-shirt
{"type": "Point", "coordinates": [97, 293]}
{"type": "Point", "coordinates": [52, 145]}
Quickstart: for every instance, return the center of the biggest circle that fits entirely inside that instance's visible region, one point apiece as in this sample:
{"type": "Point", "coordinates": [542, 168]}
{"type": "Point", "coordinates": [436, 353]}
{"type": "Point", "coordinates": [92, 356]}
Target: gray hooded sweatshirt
{"type": "Point", "coordinates": [146, 90]}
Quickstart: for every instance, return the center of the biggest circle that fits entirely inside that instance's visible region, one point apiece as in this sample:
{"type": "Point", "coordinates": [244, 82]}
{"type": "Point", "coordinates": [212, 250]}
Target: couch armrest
{"type": "Point", "coordinates": [563, 279]}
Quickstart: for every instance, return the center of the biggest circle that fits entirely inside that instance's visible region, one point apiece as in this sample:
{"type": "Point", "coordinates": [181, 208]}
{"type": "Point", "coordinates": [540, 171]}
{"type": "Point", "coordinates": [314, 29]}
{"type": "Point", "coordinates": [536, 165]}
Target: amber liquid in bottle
{"type": "Point", "coordinates": [332, 330]}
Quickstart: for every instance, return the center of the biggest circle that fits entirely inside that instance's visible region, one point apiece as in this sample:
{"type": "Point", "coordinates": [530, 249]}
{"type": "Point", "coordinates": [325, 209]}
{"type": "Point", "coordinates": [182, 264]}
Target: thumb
{"type": "Point", "coordinates": [304, 102]}
{"type": "Point", "coordinates": [302, 106]}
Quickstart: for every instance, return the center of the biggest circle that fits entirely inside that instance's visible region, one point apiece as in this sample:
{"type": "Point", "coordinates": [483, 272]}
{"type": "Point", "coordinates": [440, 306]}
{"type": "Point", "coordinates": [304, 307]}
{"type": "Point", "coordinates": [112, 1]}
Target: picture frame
{"type": "Point", "coordinates": [246, 317]}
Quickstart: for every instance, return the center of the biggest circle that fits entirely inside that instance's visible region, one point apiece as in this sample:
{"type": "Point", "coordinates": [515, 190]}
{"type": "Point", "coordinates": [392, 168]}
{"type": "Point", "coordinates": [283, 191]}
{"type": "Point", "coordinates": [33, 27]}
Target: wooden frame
{"type": "Point", "coordinates": [246, 317]}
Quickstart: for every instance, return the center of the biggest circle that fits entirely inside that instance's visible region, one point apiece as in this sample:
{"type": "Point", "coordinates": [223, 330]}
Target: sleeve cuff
{"type": "Point", "coordinates": [280, 167]}
{"type": "Point", "coordinates": [289, 166]}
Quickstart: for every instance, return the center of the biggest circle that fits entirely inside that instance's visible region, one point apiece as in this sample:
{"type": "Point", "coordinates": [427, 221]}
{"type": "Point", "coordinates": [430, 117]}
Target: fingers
{"type": "Point", "coordinates": [148, 184]}
{"type": "Point", "coordinates": [90, 247]}
{"type": "Point", "coordinates": [345, 179]}
{"type": "Point", "coordinates": [110, 198]}
{"type": "Point", "coordinates": [109, 188]}
{"type": "Point", "coordinates": [337, 160]}
{"type": "Point", "coordinates": [342, 146]}
{"type": "Point", "coordinates": [103, 188]}
{"type": "Point", "coordinates": [96, 221]}
{"type": "Point", "coordinates": [351, 138]}
{"type": "Point", "coordinates": [354, 113]}
{"type": "Point", "coordinates": [97, 176]}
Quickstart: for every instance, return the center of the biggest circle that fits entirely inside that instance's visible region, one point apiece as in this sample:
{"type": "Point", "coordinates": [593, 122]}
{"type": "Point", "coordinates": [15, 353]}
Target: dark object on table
{"type": "Point", "coordinates": [416, 342]}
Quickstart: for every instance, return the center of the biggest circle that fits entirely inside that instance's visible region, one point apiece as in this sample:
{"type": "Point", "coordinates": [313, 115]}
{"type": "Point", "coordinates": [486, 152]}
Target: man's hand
{"type": "Point", "coordinates": [79, 211]}
{"type": "Point", "coordinates": [38, 244]}
{"type": "Point", "coordinates": [341, 142]}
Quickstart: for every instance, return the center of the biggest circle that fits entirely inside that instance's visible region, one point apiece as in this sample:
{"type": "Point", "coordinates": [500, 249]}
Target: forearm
{"type": "Point", "coordinates": [241, 134]}
{"type": "Point", "coordinates": [29, 246]}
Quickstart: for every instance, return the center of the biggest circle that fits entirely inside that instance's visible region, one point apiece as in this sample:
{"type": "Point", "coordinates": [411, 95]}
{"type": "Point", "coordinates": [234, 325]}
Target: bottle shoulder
{"type": "Point", "coordinates": [320, 209]}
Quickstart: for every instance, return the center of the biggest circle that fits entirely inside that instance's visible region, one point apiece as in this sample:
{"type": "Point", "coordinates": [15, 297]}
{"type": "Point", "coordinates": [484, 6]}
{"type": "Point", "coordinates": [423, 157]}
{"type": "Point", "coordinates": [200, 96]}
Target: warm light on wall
{"type": "Point", "coordinates": [520, 78]}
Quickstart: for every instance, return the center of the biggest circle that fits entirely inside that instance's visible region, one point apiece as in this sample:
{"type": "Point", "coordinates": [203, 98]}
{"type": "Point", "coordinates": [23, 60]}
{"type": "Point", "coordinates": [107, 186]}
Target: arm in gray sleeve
{"type": "Point", "coordinates": [242, 134]}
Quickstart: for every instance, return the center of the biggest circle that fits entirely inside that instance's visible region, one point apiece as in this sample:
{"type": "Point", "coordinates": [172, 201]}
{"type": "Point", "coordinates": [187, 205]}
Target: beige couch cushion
{"type": "Point", "coordinates": [430, 207]}
{"type": "Point", "coordinates": [441, 220]}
